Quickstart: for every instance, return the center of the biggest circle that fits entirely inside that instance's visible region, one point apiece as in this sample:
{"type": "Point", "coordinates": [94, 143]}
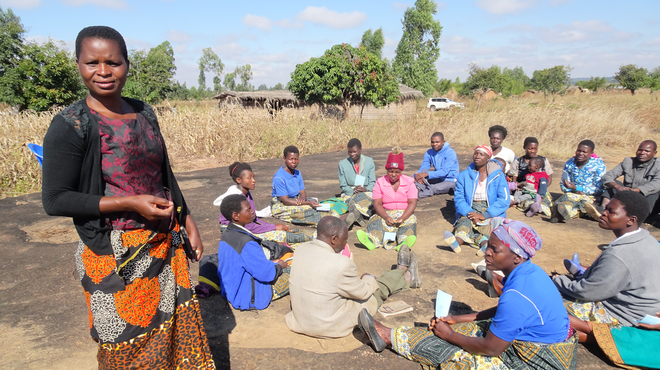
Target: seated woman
{"type": "Point", "coordinates": [289, 198]}
{"type": "Point", "coordinates": [245, 181]}
{"type": "Point", "coordinates": [581, 183]}
{"type": "Point", "coordinates": [528, 329]}
{"type": "Point", "coordinates": [248, 280]}
{"type": "Point", "coordinates": [358, 197]}
{"type": "Point", "coordinates": [480, 195]}
{"type": "Point", "coordinates": [520, 169]}
{"type": "Point", "coordinates": [395, 199]}
{"type": "Point", "coordinates": [621, 286]}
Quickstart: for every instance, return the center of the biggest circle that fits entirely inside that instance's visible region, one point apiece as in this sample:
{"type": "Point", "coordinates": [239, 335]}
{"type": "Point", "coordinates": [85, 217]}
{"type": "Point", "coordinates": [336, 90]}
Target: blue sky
{"type": "Point", "coordinates": [593, 37]}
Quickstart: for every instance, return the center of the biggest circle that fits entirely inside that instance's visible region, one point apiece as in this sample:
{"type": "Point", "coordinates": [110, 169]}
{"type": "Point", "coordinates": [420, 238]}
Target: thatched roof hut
{"type": "Point", "coordinates": [276, 99]}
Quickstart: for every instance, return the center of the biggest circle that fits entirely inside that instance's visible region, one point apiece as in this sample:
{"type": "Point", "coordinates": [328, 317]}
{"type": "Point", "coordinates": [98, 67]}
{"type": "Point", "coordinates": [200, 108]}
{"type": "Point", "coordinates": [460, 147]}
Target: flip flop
{"type": "Point", "coordinates": [451, 241]}
{"type": "Point", "coordinates": [363, 237]}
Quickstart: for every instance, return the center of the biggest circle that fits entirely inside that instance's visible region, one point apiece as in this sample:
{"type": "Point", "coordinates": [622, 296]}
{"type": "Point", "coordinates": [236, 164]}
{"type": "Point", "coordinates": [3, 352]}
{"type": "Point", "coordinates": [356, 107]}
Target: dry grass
{"type": "Point", "coordinates": [199, 134]}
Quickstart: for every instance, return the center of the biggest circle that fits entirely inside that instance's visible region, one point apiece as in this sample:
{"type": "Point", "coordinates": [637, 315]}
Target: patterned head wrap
{"type": "Point", "coordinates": [484, 148]}
{"type": "Point", "coordinates": [519, 237]}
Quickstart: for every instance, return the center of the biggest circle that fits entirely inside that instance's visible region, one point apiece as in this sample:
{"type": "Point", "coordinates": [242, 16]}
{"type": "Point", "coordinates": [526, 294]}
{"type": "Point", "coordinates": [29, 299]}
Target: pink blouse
{"type": "Point", "coordinates": [399, 200]}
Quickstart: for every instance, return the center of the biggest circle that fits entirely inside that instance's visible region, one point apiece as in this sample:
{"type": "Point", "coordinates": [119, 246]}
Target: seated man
{"type": "Point", "coordinates": [358, 197]}
{"type": "Point", "coordinates": [442, 178]}
{"type": "Point", "coordinates": [248, 280]}
{"type": "Point", "coordinates": [580, 183]}
{"type": "Point", "coordinates": [621, 286]}
{"type": "Point", "coordinates": [326, 292]}
{"type": "Point", "coordinates": [641, 173]}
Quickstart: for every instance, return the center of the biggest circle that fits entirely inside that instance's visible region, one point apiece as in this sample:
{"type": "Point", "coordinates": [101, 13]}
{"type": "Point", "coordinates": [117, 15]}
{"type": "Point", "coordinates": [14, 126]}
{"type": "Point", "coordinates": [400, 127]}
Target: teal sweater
{"type": "Point", "coordinates": [347, 174]}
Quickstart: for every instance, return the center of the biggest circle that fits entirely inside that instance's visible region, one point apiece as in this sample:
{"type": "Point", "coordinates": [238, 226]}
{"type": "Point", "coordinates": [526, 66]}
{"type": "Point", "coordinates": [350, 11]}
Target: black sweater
{"type": "Point", "coordinates": [73, 178]}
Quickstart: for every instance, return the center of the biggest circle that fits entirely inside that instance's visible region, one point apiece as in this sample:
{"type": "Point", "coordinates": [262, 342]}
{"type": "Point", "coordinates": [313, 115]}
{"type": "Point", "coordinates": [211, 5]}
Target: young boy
{"type": "Point", "coordinates": [248, 279]}
{"type": "Point", "coordinates": [534, 187]}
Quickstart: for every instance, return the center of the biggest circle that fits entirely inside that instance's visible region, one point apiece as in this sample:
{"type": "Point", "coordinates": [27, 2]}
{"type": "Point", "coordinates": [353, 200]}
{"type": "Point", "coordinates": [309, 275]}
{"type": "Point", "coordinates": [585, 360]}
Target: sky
{"type": "Point", "coordinates": [594, 37]}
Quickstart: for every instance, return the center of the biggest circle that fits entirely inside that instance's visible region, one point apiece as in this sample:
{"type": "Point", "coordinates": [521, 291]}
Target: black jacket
{"type": "Point", "coordinates": [73, 177]}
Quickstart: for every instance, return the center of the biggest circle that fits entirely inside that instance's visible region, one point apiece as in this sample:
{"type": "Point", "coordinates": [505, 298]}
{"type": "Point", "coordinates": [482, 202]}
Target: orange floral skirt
{"type": "Point", "coordinates": [142, 310]}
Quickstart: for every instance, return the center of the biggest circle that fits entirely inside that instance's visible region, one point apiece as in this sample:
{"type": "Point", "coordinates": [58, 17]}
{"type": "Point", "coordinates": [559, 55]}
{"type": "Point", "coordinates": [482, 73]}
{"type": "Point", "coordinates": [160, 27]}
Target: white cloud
{"type": "Point", "coordinates": [138, 44]}
{"type": "Point", "coordinates": [256, 21]}
{"type": "Point", "coordinates": [275, 58]}
{"type": "Point", "coordinates": [331, 18]}
{"type": "Point", "coordinates": [20, 4]}
{"type": "Point", "coordinates": [505, 6]}
{"type": "Point", "coordinates": [286, 23]}
{"type": "Point", "coordinates": [400, 6]}
{"type": "Point", "coordinates": [110, 4]}
{"type": "Point", "coordinates": [177, 36]}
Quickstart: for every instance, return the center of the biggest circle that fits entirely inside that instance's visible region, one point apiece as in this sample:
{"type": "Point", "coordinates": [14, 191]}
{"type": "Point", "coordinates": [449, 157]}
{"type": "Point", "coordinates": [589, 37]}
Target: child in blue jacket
{"type": "Point", "coordinates": [248, 279]}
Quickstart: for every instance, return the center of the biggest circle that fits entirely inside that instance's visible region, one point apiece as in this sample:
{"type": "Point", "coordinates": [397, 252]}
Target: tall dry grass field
{"type": "Point", "coordinates": [201, 135]}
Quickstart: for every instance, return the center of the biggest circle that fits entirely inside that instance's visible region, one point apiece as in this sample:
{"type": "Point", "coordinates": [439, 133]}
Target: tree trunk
{"type": "Point", "coordinates": [362, 110]}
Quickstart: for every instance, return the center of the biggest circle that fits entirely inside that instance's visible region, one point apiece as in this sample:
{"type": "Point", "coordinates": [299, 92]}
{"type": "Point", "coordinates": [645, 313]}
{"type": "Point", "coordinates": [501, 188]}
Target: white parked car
{"type": "Point", "coordinates": [443, 103]}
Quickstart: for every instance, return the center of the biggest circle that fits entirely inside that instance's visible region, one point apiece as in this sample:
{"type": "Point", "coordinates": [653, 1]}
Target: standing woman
{"type": "Point", "coordinates": [106, 166]}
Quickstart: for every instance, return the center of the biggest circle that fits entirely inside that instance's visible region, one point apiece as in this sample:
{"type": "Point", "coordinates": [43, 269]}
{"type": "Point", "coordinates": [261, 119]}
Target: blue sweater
{"type": "Point", "coordinates": [242, 264]}
{"type": "Point", "coordinates": [497, 191]}
{"type": "Point", "coordinates": [444, 162]}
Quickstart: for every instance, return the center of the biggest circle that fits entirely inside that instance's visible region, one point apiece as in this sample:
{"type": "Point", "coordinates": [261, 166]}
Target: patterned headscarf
{"type": "Point", "coordinates": [486, 149]}
{"type": "Point", "coordinates": [519, 237]}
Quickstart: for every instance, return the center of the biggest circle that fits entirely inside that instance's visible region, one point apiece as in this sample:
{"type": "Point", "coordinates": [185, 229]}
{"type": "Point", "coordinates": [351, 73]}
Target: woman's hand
{"type": "Point", "coordinates": [359, 189]}
{"type": "Point", "coordinates": [150, 207]}
{"type": "Point", "coordinates": [652, 327]}
{"type": "Point", "coordinates": [569, 185]}
{"type": "Point", "coordinates": [441, 329]}
{"type": "Point", "coordinates": [282, 263]}
{"type": "Point", "coordinates": [282, 227]}
{"type": "Point", "coordinates": [389, 221]}
{"type": "Point", "coordinates": [476, 217]}
{"type": "Point", "coordinates": [449, 319]}
{"type": "Point", "coordinates": [193, 236]}
{"type": "Point", "coordinates": [312, 204]}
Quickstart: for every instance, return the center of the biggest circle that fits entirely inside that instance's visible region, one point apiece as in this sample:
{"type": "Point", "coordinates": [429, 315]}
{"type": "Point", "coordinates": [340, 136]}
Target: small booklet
{"type": "Point", "coordinates": [359, 180]}
{"type": "Point", "coordinates": [389, 237]}
{"type": "Point", "coordinates": [324, 207]}
{"type": "Point", "coordinates": [394, 308]}
{"type": "Point", "coordinates": [649, 320]}
{"type": "Point", "coordinates": [442, 303]}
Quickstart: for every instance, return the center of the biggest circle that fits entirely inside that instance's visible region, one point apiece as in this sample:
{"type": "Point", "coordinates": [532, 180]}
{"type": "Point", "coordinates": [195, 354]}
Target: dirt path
{"type": "Point", "coordinates": [43, 317]}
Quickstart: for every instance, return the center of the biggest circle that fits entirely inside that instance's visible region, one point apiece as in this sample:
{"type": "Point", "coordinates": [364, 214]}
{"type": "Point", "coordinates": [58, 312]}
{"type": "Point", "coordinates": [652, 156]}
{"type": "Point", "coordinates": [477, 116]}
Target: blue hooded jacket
{"type": "Point", "coordinates": [497, 191]}
{"type": "Point", "coordinates": [245, 273]}
{"type": "Point", "coordinates": [444, 162]}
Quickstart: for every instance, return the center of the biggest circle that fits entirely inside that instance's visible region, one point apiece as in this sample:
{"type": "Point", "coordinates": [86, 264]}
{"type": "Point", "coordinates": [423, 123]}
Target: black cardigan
{"type": "Point", "coordinates": [73, 178]}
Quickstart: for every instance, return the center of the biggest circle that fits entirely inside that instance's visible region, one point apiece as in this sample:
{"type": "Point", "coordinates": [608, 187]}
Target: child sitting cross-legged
{"type": "Point", "coordinates": [531, 196]}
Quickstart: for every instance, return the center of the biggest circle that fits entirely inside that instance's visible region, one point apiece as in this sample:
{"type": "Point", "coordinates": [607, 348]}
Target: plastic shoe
{"type": "Point", "coordinates": [593, 210]}
{"type": "Point", "coordinates": [563, 212]}
{"type": "Point", "coordinates": [415, 278]}
{"type": "Point", "coordinates": [482, 251]}
{"type": "Point", "coordinates": [535, 207]}
{"type": "Point", "coordinates": [367, 325]}
{"type": "Point", "coordinates": [363, 237]}
{"type": "Point", "coordinates": [403, 257]}
{"type": "Point", "coordinates": [409, 241]}
{"type": "Point", "coordinates": [350, 220]}
{"type": "Point", "coordinates": [574, 268]}
{"type": "Point", "coordinates": [450, 239]}
{"type": "Point", "coordinates": [487, 275]}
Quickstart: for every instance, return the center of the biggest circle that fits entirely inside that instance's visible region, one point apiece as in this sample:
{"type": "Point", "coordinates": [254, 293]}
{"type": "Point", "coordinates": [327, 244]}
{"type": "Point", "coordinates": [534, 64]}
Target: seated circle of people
{"type": "Point", "coordinates": [481, 193]}
{"type": "Point", "coordinates": [248, 278]}
{"type": "Point", "coordinates": [439, 169]}
{"type": "Point", "coordinates": [497, 134]}
{"type": "Point", "coordinates": [528, 329]}
{"type": "Point", "coordinates": [326, 292]}
{"type": "Point", "coordinates": [289, 198]}
{"type": "Point", "coordinates": [621, 285]}
{"type": "Point", "coordinates": [533, 190]}
{"type": "Point", "coordinates": [357, 177]}
{"type": "Point", "coordinates": [394, 201]}
{"type": "Point", "coordinates": [641, 173]}
{"type": "Point", "coordinates": [581, 183]}
{"type": "Point", "coordinates": [244, 181]}
{"type": "Point", "coordinates": [519, 171]}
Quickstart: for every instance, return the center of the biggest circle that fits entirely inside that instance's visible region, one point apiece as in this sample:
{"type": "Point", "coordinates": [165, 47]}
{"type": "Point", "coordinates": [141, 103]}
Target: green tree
{"type": "Point", "coordinates": [443, 85]}
{"type": "Point", "coordinates": [344, 75]}
{"type": "Point", "coordinates": [230, 81]}
{"type": "Point", "coordinates": [12, 35]}
{"type": "Point", "coordinates": [136, 81]}
{"type": "Point", "coordinates": [278, 86]}
{"type": "Point", "coordinates": [262, 87]}
{"type": "Point", "coordinates": [45, 76]}
{"type": "Point", "coordinates": [631, 77]}
{"type": "Point", "coordinates": [210, 62]}
{"type": "Point", "coordinates": [552, 80]}
{"type": "Point", "coordinates": [373, 42]}
{"type": "Point", "coordinates": [520, 79]}
{"type": "Point", "coordinates": [418, 49]}
{"type": "Point", "coordinates": [244, 73]}
{"type": "Point", "coordinates": [150, 75]}
{"type": "Point", "coordinates": [653, 81]}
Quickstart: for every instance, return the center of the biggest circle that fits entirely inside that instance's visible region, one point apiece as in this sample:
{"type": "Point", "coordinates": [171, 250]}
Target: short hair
{"type": "Point", "coordinates": [104, 33]}
{"type": "Point", "coordinates": [588, 143]}
{"type": "Point", "coordinates": [232, 203]}
{"type": "Point", "coordinates": [354, 143]}
{"type": "Point", "coordinates": [438, 134]}
{"type": "Point", "coordinates": [498, 128]}
{"type": "Point", "coordinates": [236, 168]}
{"type": "Point", "coordinates": [634, 204]}
{"type": "Point", "coordinates": [502, 162]}
{"type": "Point", "coordinates": [291, 149]}
{"type": "Point", "coordinates": [530, 140]}
{"type": "Point", "coordinates": [537, 159]}
{"type": "Point", "coordinates": [655, 146]}
{"type": "Point", "coordinates": [330, 226]}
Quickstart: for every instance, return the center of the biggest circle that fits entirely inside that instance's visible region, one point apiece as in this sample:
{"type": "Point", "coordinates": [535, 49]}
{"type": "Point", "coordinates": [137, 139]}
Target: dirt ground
{"type": "Point", "coordinates": [43, 315]}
